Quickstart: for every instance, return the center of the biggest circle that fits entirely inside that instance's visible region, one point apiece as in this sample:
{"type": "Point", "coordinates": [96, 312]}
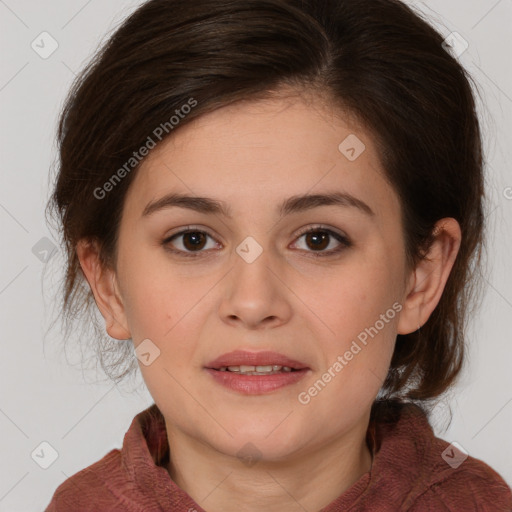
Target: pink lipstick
{"type": "Point", "coordinates": [255, 373]}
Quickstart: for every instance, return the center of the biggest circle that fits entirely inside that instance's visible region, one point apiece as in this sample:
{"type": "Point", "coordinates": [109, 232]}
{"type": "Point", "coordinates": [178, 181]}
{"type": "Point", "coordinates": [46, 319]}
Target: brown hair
{"type": "Point", "coordinates": [377, 59]}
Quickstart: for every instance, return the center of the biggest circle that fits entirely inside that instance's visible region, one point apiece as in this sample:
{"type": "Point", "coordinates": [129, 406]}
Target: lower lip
{"type": "Point", "coordinates": [256, 384]}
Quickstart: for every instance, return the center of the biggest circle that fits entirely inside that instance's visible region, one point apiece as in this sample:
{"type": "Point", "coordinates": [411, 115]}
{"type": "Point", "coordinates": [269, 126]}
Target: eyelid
{"type": "Point", "coordinates": [321, 227]}
{"type": "Point", "coordinates": [185, 229]}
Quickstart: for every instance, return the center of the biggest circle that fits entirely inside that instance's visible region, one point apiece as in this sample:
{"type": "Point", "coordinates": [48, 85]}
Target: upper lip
{"type": "Point", "coordinates": [243, 357]}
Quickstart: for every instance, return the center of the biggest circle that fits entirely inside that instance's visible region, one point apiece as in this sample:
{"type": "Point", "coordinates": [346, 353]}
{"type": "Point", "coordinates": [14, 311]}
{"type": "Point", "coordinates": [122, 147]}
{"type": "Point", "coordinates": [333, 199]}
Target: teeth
{"type": "Point", "coordinates": [256, 370]}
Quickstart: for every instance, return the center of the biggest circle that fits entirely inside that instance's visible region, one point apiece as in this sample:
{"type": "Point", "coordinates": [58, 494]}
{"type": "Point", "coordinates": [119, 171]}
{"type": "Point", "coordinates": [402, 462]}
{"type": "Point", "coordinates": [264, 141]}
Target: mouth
{"type": "Point", "coordinates": [256, 373]}
{"type": "Point", "coordinates": [249, 363]}
{"type": "Point", "coordinates": [256, 370]}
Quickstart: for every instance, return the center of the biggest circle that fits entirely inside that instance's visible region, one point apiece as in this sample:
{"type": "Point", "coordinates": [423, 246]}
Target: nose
{"type": "Point", "coordinates": [255, 294]}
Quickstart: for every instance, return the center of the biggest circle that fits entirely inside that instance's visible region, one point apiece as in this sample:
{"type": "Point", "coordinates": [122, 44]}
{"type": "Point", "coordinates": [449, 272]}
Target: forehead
{"type": "Point", "coordinates": [254, 154]}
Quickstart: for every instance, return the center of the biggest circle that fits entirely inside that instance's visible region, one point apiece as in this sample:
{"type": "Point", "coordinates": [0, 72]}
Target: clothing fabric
{"type": "Point", "coordinates": [412, 470]}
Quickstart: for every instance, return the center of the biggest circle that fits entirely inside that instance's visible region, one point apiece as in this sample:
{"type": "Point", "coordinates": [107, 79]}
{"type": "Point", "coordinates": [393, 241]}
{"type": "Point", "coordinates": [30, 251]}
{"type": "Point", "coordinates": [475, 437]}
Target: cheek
{"type": "Point", "coordinates": [156, 298]}
{"type": "Point", "coordinates": [355, 367]}
{"type": "Point", "coordinates": [150, 307]}
{"type": "Point", "coordinates": [166, 311]}
{"type": "Point", "coordinates": [171, 312]}
{"type": "Point", "coordinates": [361, 309]}
{"type": "Point", "coordinates": [356, 297]}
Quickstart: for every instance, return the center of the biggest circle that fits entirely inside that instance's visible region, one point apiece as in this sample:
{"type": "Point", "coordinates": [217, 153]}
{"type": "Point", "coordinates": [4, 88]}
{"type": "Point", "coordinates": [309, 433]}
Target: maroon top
{"type": "Point", "coordinates": [412, 470]}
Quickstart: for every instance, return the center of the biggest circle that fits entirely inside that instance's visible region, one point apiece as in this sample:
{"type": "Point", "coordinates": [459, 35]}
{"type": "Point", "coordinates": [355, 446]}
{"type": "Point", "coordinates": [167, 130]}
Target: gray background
{"type": "Point", "coordinates": [46, 397]}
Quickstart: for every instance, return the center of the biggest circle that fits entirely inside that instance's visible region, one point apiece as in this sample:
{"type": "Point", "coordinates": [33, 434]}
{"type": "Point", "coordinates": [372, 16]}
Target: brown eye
{"type": "Point", "coordinates": [190, 242]}
{"type": "Point", "coordinates": [317, 240]}
{"type": "Point", "coordinates": [194, 240]}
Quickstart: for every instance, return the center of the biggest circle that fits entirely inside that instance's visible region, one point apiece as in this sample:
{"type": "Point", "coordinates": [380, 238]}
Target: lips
{"type": "Point", "coordinates": [245, 358]}
{"type": "Point", "coordinates": [273, 371]}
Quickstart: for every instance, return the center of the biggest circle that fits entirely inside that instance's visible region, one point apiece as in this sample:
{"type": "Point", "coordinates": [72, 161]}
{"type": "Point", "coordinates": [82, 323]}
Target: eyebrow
{"type": "Point", "coordinates": [294, 204]}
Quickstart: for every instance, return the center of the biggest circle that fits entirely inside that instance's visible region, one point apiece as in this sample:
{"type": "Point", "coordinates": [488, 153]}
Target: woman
{"type": "Point", "coordinates": [277, 204]}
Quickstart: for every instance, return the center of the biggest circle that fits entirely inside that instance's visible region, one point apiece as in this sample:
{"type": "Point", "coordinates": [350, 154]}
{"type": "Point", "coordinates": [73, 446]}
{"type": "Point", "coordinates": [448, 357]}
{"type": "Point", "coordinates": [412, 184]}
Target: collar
{"type": "Point", "coordinates": [398, 437]}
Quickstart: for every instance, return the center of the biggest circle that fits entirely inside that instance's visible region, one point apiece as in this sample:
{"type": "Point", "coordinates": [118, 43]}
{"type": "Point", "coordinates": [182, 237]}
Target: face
{"type": "Point", "coordinates": [249, 277]}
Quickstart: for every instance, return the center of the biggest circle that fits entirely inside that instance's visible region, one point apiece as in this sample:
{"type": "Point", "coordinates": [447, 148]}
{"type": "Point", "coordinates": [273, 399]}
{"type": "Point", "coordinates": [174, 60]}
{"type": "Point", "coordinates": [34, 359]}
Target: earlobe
{"type": "Point", "coordinates": [429, 278]}
{"type": "Point", "coordinates": [102, 283]}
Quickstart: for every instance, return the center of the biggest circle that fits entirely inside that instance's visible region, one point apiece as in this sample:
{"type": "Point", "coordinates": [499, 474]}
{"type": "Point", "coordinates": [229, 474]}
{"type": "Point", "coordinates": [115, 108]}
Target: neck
{"type": "Point", "coordinates": [308, 480]}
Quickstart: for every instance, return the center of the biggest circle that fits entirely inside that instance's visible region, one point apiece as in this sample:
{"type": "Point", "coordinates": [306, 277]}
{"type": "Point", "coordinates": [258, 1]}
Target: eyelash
{"type": "Point", "coordinates": [344, 241]}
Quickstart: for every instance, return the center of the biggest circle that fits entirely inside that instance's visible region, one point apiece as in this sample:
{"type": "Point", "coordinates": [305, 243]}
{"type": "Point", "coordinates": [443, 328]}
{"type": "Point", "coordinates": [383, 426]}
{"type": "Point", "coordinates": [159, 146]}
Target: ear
{"type": "Point", "coordinates": [103, 285]}
{"type": "Point", "coordinates": [428, 279]}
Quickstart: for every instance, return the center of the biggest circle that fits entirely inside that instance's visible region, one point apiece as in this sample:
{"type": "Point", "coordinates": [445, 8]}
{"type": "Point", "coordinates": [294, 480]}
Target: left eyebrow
{"type": "Point", "coordinates": [294, 204]}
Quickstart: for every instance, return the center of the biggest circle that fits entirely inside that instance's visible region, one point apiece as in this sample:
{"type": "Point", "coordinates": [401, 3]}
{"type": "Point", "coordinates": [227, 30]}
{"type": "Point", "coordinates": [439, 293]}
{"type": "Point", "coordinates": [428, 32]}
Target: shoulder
{"type": "Point", "coordinates": [422, 472]}
{"type": "Point", "coordinates": [129, 479]}
{"type": "Point", "coordinates": [86, 490]}
{"type": "Point", "coordinates": [454, 481]}
{"type": "Point", "coordinates": [472, 487]}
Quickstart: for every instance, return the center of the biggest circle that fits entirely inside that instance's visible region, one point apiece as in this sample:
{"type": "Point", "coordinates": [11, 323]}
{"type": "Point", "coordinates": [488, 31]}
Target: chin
{"type": "Point", "coordinates": [254, 445]}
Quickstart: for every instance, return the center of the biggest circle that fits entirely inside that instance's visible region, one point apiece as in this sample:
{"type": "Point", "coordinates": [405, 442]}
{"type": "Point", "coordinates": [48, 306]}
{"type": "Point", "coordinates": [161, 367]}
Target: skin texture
{"type": "Point", "coordinates": [252, 156]}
